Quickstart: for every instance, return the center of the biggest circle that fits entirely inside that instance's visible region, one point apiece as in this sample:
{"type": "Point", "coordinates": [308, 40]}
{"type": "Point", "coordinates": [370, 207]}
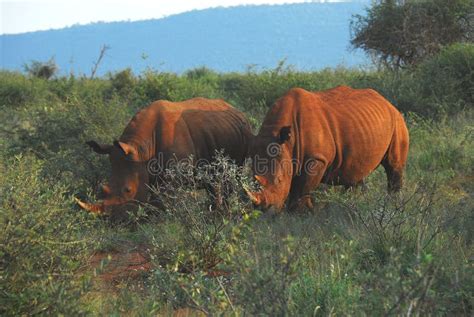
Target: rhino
{"type": "Point", "coordinates": [337, 136]}
{"type": "Point", "coordinates": [162, 133]}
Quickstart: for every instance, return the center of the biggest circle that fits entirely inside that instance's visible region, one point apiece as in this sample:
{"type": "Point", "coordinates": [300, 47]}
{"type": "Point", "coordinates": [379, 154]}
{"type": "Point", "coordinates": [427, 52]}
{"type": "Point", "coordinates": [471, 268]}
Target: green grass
{"type": "Point", "coordinates": [357, 253]}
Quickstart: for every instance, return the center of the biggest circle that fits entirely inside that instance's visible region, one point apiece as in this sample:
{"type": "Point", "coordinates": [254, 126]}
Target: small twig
{"type": "Point", "coordinates": [219, 278]}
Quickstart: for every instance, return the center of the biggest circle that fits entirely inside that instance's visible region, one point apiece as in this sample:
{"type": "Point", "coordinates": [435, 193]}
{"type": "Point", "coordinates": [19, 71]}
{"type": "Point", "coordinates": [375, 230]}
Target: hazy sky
{"type": "Point", "coordinates": [18, 16]}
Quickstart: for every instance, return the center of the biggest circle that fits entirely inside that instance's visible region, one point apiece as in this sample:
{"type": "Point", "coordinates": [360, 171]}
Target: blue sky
{"type": "Point", "coordinates": [19, 16]}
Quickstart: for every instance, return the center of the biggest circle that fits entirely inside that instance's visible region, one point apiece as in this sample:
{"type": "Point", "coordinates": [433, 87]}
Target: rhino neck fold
{"type": "Point", "coordinates": [145, 144]}
{"type": "Point", "coordinates": [297, 150]}
{"type": "Point", "coordinates": [141, 132]}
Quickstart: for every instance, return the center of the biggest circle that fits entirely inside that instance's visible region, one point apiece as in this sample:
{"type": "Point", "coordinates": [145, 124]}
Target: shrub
{"type": "Point", "coordinates": [42, 243]}
{"type": "Point", "coordinates": [154, 86]}
{"type": "Point", "coordinates": [201, 223]}
{"type": "Point", "coordinates": [17, 90]}
{"type": "Point", "coordinates": [442, 84]}
{"type": "Point", "coordinates": [400, 88]}
{"type": "Point", "coordinates": [123, 82]}
{"type": "Point", "coordinates": [201, 73]}
{"type": "Point", "coordinates": [205, 221]}
{"type": "Point", "coordinates": [447, 78]}
{"type": "Point", "coordinates": [57, 134]}
{"type": "Point", "coordinates": [44, 70]}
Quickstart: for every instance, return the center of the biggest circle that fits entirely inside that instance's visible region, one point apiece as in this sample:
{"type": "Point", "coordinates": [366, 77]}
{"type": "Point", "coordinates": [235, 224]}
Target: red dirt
{"type": "Point", "coordinates": [114, 266]}
{"type": "Point", "coordinates": [128, 264]}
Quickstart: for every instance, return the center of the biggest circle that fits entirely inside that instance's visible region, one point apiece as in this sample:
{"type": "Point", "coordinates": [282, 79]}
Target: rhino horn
{"type": "Point", "coordinates": [261, 180]}
{"type": "Point", "coordinates": [254, 197]}
{"type": "Point", "coordinates": [93, 208]}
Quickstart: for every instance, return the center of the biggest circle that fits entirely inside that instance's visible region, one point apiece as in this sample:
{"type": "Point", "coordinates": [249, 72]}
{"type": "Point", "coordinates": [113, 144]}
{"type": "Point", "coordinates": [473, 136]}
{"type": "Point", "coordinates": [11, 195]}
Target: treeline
{"type": "Point", "coordinates": [441, 84]}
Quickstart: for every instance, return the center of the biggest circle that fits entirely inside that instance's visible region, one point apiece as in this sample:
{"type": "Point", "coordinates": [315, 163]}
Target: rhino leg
{"type": "Point", "coordinates": [303, 203]}
{"type": "Point", "coordinates": [303, 185]}
{"type": "Point", "coordinates": [394, 177]}
{"type": "Point", "coordinates": [396, 156]}
{"type": "Point", "coordinates": [394, 164]}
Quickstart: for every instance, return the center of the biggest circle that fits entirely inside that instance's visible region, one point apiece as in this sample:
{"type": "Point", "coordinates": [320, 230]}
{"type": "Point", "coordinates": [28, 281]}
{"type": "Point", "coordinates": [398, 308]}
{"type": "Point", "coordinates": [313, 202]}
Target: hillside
{"type": "Point", "coordinates": [310, 36]}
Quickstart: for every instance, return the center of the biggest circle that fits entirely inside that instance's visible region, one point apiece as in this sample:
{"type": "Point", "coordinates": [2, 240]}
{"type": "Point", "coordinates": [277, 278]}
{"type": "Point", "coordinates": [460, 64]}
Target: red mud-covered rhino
{"type": "Point", "coordinates": [337, 136]}
{"type": "Point", "coordinates": [164, 132]}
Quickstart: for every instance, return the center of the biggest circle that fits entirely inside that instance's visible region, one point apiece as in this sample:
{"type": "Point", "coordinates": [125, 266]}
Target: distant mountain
{"type": "Point", "coordinates": [309, 35]}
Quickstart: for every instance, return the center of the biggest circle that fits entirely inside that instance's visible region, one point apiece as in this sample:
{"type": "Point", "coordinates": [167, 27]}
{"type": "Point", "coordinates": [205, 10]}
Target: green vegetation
{"type": "Point", "coordinates": [42, 70]}
{"type": "Point", "coordinates": [398, 33]}
{"type": "Point", "coordinates": [357, 253]}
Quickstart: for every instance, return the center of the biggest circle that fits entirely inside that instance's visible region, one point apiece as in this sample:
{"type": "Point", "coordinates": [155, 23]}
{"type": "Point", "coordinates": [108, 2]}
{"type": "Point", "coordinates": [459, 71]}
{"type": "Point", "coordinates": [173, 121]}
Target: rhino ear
{"type": "Point", "coordinates": [285, 134]}
{"type": "Point", "coordinates": [126, 148]}
{"type": "Point", "coordinates": [99, 148]}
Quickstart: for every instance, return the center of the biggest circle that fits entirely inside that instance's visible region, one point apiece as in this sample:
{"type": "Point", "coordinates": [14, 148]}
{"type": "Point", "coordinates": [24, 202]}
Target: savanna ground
{"type": "Point", "coordinates": [357, 253]}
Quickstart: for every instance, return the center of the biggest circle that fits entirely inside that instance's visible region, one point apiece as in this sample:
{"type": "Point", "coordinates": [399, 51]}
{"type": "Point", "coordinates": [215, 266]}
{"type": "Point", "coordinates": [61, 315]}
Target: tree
{"type": "Point", "coordinates": [398, 33]}
{"type": "Point", "coordinates": [45, 70]}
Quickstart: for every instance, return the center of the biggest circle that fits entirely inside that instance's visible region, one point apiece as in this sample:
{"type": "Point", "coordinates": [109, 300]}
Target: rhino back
{"type": "Point", "coordinates": [196, 127]}
{"type": "Point", "coordinates": [361, 124]}
{"type": "Point", "coordinates": [349, 129]}
{"type": "Point", "coordinates": [226, 130]}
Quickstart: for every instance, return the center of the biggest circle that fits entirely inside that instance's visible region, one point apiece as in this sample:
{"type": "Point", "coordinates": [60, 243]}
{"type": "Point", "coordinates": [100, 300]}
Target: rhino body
{"type": "Point", "coordinates": [337, 136]}
{"type": "Point", "coordinates": [163, 134]}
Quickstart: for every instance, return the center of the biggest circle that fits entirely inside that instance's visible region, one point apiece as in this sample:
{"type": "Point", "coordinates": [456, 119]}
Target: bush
{"type": "Point", "coordinates": [400, 88]}
{"type": "Point", "coordinates": [17, 90]}
{"type": "Point", "coordinates": [447, 78]}
{"type": "Point", "coordinates": [200, 226]}
{"type": "Point", "coordinates": [44, 70]}
{"type": "Point", "coordinates": [123, 82]}
{"type": "Point", "coordinates": [154, 86]}
{"type": "Point", "coordinates": [205, 216]}
{"type": "Point", "coordinates": [42, 243]}
{"type": "Point", "coordinates": [56, 133]}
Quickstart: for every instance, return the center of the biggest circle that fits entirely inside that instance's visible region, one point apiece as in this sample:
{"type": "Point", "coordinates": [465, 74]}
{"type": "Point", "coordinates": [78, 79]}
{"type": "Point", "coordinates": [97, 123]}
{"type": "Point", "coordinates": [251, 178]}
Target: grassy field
{"type": "Point", "coordinates": [356, 253]}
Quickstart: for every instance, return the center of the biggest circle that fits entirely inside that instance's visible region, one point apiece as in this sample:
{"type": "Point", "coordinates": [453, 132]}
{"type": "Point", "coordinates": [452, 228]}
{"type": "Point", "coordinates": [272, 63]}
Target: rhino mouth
{"type": "Point", "coordinates": [265, 198]}
{"type": "Point", "coordinates": [257, 198]}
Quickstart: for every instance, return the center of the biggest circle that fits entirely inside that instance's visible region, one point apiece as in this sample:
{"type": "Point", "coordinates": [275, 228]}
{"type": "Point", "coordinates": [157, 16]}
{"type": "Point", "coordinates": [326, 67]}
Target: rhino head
{"type": "Point", "coordinates": [272, 164]}
{"type": "Point", "coordinates": [128, 183]}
